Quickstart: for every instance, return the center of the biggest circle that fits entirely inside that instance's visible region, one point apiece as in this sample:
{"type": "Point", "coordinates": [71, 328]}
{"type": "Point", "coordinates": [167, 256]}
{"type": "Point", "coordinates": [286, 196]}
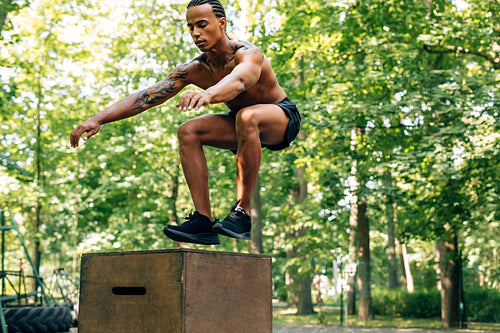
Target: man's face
{"type": "Point", "coordinates": [206, 29]}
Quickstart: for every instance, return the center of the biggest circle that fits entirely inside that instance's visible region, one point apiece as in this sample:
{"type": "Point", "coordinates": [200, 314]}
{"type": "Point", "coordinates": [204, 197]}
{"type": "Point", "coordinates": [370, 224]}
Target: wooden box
{"type": "Point", "coordinates": [179, 290]}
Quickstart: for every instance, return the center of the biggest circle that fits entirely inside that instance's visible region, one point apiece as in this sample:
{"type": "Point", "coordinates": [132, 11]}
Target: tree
{"type": "Point", "coordinates": [447, 123]}
{"type": "Point", "coordinates": [8, 7]}
{"type": "Point", "coordinates": [417, 82]}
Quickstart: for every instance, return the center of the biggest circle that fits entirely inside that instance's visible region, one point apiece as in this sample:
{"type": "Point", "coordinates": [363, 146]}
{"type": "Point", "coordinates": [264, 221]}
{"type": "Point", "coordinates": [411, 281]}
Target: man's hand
{"type": "Point", "coordinates": [193, 100]}
{"type": "Point", "coordinates": [90, 127]}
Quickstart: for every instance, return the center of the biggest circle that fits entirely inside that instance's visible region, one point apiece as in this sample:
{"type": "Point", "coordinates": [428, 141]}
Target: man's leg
{"type": "Point", "coordinates": [254, 125]}
{"type": "Point", "coordinates": [212, 130]}
{"type": "Point", "coordinates": [263, 123]}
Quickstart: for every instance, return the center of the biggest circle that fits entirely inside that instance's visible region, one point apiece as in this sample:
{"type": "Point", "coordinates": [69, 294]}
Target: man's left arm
{"type": "Point", "coordinates": [245, 74]}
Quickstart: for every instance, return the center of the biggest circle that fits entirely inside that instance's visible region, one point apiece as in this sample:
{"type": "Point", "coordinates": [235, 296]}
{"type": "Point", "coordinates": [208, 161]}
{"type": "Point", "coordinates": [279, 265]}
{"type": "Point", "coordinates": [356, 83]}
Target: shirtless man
{"type": "Point", "coordinates": [234, 73]}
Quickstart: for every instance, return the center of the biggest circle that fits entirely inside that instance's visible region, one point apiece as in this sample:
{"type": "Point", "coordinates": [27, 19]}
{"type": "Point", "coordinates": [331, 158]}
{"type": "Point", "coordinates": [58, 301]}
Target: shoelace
{"type": "Point", "coordinates": [190, 218]}
{"type": "Point", "coordinates": [235, 205]}
{"type": "Point", "coordinates": [239, 211]}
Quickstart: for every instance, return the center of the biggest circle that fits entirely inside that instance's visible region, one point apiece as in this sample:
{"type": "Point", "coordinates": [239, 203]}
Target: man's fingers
{"type": "Point", "coordinates": [79, 130]}
{"type": "Point", "coordinates": [194, 101]}
{"type": "Point", "coordinates": [191, 100]}
{"type": "Point", "coordinates": [185, 100]}
{"type": "Point", "coordinates": [90, 133]}
{"type": "Point", "coordinates": [199, 103]}
{"type": "Point", "coordinates": [75, 137]}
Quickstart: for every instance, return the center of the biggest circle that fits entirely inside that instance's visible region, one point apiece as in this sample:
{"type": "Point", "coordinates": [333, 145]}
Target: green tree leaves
{"type": "Point", "coordinates": [420, 78]}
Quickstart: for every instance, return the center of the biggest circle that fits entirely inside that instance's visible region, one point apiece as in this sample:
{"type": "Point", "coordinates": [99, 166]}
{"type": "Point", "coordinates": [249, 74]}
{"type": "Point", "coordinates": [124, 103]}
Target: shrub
{"type": "Point", "coordinates": [482, 305]}
{"type": "Point", "coordinates": [419, 304]}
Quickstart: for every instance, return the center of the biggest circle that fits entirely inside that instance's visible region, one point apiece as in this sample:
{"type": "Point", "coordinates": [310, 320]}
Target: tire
{"type": "Point", "coordinates": [38, 319]}
{"type": "Point", "coordinates": [59, 319]}
{"type": "Point", "coordinates": [52, 319]}
{"type": "Point", "coordinates": [14, 318]}
{"type": "Point", "coordinates": [67, 319]}
{"type": "Point", "coordinates": [19, 320]}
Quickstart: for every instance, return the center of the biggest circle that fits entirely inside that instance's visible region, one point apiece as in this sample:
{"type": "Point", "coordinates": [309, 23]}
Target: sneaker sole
{"type": "Point", "coordinates": [202, 238]}
{"type": "Point", "coordinates": [219, 228]}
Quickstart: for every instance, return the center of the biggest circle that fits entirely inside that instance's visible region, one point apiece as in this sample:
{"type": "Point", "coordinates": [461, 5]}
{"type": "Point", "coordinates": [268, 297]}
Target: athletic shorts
{"type": "Point", "coordinates": [293, 128]}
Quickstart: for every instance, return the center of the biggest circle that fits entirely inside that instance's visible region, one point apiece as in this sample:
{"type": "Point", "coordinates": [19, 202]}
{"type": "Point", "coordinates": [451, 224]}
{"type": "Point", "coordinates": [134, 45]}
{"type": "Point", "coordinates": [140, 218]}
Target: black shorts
{"type": "Point", "coordinates": [292, 129]}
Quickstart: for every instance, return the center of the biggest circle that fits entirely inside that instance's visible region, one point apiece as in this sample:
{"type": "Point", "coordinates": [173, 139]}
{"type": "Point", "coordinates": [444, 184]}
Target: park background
{"type": "Point", "coordinates": [396, 168]}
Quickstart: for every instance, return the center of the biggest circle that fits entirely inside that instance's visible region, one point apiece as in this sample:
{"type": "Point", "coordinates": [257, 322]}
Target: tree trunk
{"type": "Point", "coordinates": [407, 269]}
{"type": "Point", "coordinates": [174, 216]}
{"type": "Point", "coordinates": [299, 284]}
{"type": "Point", "coordinates": [437, 261]}
{"type": "Point", "coordinates": [358, 218]}
{"type": "Point", "coordinates": [299, 288]}
{"type": "Point", "coordinates": [38, 180]}
{"type": "Point", "coordinates": [351, 280]}
{"type": "Point", "coordinates": [353, 250]}
{"type": "Point", "coordinates": [365, 311]}
{"type": "Point", "coordinates": [256, 214]}
{"type": "Point", "coordinates": [392, 268]}
{"type": "Point", "coordinates": [353, 226]}
{"type": "Point", "coordinates": [450, 282]}
{"type": "Point", "coordinates": [304, 304]}
{"type": "Point", "coordinates": [402, 272]}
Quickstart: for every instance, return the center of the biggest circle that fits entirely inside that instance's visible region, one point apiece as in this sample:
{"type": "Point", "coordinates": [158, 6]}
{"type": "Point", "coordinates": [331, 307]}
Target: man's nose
{"type": "Point", "coordinates": [195, 32]}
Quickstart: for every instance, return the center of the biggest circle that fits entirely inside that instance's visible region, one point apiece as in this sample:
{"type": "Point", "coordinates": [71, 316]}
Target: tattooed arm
{"type": "Point", "coordinates": [134, 104]}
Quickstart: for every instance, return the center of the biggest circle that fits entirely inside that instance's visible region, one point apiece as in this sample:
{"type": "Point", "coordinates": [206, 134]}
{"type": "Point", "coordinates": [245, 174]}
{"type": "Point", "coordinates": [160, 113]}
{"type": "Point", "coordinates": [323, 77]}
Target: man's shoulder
{"type": "Point", "coordinates": [244, 45]}
{"type": "Point", "coordinates": [246, 50]}
{"type": "Point", "coordinates": [184, 70]}
{"type": "Point", "coordinates": [196, 62]}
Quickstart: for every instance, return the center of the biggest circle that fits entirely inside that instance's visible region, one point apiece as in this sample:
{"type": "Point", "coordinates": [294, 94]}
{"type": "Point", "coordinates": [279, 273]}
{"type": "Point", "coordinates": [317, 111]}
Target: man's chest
{"type": "Point", "coordinates": [209, 74]}
{"type": "Point", "coordinates": [211, 77]}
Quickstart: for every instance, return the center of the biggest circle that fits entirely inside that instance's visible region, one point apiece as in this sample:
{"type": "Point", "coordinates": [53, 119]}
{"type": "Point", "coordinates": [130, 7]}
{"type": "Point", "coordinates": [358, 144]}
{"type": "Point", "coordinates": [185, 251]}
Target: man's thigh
{"type": "Point", "coordinates": [271, 119]}
{"type": "Point", "coordinates": [216, 130]}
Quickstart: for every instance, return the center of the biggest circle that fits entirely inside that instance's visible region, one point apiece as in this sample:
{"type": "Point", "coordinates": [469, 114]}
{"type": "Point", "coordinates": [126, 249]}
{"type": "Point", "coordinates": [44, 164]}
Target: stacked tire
{"type": "Point", "coordinates": [39, 319]}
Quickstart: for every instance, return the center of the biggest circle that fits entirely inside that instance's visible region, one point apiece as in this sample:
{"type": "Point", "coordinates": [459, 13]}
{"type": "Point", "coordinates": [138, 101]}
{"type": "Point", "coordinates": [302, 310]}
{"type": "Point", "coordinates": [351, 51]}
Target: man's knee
{"type": "Point", "coordinates": [187, 130]}
{"type": "Point", "coordinates": [247, 120]}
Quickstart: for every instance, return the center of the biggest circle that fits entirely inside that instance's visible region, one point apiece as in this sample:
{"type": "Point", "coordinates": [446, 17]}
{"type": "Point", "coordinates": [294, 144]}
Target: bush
{"type": "Point", "coordinates": [419, 304]}
{"type": "Point", "coordinates": [482, 305]}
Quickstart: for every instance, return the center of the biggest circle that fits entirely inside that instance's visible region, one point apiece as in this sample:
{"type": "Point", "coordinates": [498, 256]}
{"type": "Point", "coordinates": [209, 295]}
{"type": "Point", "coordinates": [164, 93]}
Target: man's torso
{"type": "Point", "coordinates": [265, 91]}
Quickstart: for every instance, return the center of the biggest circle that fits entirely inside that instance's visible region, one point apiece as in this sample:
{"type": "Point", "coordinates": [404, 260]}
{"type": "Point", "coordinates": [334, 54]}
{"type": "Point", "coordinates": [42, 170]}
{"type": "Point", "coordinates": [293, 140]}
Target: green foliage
{"type": "Point", "coordinates": [420, 78]}
{"type": "Point", "coordinates": [481, 305]}
{"type": "Point", "coordinates": [419, 304]}
{"type": "Point", "coordinates": [9, 7]}
{"type": "Point", "coordinates": [330, 315]}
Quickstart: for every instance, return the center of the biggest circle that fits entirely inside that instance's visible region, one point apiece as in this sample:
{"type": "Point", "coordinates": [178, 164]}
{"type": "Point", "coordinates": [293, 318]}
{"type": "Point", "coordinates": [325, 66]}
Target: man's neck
{"type": "Point", "coordinates": [221, 54]}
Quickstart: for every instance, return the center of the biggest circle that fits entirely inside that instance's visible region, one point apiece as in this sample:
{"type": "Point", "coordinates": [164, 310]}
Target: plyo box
{"type": "Point", "coordinates": [175, 291]}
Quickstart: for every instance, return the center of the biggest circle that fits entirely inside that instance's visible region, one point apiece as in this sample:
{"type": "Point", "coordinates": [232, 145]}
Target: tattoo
{"type": "Point", "coordinates": [204, 59]}
{"type": "Point", "coordinates": [180, 72]}
{"type": "Point", "coordinates": [243, 46]}
{"type": "Point", "coordinates": [159, 92]}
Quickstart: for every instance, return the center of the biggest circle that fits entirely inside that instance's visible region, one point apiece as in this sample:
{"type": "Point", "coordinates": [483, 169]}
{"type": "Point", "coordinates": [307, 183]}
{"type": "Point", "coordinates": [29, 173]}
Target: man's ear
{"type": "Point", "coordinates": [222, 23]}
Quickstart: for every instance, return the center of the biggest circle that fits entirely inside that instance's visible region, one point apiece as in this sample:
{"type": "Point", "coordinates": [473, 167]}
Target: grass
{"type": "Point", "coordinates": [330, 315]}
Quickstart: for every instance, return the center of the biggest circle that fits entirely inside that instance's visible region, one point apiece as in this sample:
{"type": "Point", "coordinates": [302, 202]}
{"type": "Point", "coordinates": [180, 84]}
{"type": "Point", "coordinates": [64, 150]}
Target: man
{"type": "Point", "coordinates": [234, 73]}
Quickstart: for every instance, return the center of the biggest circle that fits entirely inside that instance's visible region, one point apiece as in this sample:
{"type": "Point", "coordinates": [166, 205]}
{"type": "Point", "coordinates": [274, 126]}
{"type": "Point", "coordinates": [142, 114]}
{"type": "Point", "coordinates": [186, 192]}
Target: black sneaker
{"type": "Point", "coordinates": [237, 224]}
{"type": "Point", "coordinates": [197, 229]}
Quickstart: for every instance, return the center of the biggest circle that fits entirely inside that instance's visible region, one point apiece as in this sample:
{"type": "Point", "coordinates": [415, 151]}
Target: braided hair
{"type": "Point", "coordinates": [216, 6]}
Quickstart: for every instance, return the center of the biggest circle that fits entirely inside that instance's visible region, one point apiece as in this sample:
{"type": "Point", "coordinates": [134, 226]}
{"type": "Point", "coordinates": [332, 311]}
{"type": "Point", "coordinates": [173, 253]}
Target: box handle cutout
{"type": "Point", "coordinates": [129, 291]}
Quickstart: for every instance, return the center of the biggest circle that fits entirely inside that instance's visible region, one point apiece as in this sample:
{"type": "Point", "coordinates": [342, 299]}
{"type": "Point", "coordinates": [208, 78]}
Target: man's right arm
{"type": "Point", "coordinates": [133, 104]}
